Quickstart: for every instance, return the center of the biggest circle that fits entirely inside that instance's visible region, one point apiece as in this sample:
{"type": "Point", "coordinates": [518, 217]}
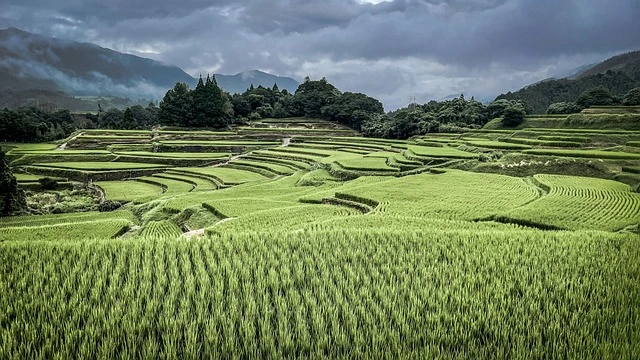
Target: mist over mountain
{"type": "Point", "coordinates": [30, 61]}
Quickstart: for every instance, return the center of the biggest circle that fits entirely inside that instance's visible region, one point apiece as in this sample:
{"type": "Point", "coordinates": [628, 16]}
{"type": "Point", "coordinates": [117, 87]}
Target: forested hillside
{"type": "Point", "coordinates": [619, 74]}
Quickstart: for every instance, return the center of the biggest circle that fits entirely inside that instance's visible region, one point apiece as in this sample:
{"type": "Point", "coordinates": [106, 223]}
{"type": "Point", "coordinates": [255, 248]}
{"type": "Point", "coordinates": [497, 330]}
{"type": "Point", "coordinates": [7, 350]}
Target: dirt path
{"type": "Point", "coordinates": [286, 142]}
{"type": "Point", "coordinates": [224, 220]}
{"type": "Point", "coordinates": [64, 146]}
{"type": "Point", "coordinates": [193, 233]}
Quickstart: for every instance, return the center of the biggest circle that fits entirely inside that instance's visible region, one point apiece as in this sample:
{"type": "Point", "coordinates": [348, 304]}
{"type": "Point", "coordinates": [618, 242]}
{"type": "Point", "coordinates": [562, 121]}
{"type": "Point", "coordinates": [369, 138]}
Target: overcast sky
{"type": "Point", "coordinates": [392, 50]}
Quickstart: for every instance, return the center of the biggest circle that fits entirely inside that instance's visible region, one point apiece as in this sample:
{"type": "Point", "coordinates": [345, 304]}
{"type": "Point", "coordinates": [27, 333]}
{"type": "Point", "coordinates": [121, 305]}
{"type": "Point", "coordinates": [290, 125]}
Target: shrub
{"type": "Point", "coordinates": [109, 205]}
{"type": "Point", "coordinates": [48, 183]}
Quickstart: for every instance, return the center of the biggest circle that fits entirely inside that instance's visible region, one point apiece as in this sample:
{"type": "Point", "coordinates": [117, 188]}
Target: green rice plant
{"type": "Point", "coordinates": [579, 203]}
{"type": "Point", "coordinates": [99, 166]}
{"type": "Point", "coordinates": [164, 229]}
{"type": "Point", "coordinates": [128, 190]}
{"type": "Point", "coordinates": [316, 177]}
{"type": "Point", "coordinates": [170, 186]}
{"type": "Point", "coordinates": [225, 175]}
{"type": "Point", "coordinates": [496, 144]}
{"type": "Point", "coordinates": [294, 156]}
{"type": "Point", "coordinates": [66, 231]}
{"type": "Point", "coordinates": [631, 169]}
{"type": "Point", "coordinates": [201, 184]}
{"type": "Point", "coordinates": [29, 178]}
{"type": "Point", "coordinates": [598, 154]}
{"type": "Point", "coordinates": [23, 147]}
{"type": "Point", "coordinates": [439, 152]}
{"type": "Point", "coordinates": [335, 293]}
{"type": "Point", "coordinates": [274, 168]}
{"type": "Point", "coordinates": [294, 165]}
{"type": "Point", "coordinates": [57, 219]}
{"type": "Point", "coordinates": [578, 139]}
{"type": "Point", "coordinates": [633, 143]}
{"type": "Point", "coordinates": [179, 155]}
{"type": "Point", "coordinates": [367, 164]}
{"type": "Point", "coordinates": [541, 142]}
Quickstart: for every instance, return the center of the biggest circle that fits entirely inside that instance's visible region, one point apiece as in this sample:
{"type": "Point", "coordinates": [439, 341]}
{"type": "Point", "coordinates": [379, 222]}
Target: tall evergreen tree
{"type": "Point", "coordinates": [216, 104]}
{"type": "Point", "coordinates": [176, 106]}
{"type": "Point", "coordinates": [12, 199]}
{"type": "Point", "coordinates": [201, 101]}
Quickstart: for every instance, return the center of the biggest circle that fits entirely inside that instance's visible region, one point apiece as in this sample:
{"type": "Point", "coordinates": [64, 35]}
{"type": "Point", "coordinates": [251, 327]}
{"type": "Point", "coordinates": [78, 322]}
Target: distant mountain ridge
{"type": "Point", "coordinates": [31, 61]}
{"type": "Point", "coordinates": [240, 82]}
{"type": "Point", "coordinates": [628, 63]}
{"type": "Point", "coordinates": [619, 74]}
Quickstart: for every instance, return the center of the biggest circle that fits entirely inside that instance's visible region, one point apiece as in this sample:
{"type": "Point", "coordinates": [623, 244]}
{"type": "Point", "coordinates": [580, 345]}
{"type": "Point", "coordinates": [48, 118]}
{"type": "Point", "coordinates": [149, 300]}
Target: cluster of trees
{"type": "Point", "coordinates": [12, 198]}
{"type": "Point", "coordinates": [456, 115]}
{"type": "Point", "coordinates": [205, 106]}
{"type": "Point", "coordinates": [597, 96]}
{"type": "Point", "coordinates": [131, 118]}
{"type": "Point", "coordinates": [208, 106]}
{"type": "Point", "coordinates": [35, 125]}
{"type": "Point", "coordinates": [541, 95]}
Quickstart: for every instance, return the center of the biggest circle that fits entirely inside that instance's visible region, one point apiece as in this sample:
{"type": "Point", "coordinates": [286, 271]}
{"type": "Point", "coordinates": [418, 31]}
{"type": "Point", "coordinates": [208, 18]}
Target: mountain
{"type": "Point", "coordinates": [628, 63]}
{"type": "Point", "coordinates": [240, 82]}
{"type": "Point", "coordinates": [619, 74]}
{"type": "Point", "coordinates": [30, 61]}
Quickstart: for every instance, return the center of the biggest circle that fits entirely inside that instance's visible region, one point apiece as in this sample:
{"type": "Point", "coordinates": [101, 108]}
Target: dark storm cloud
{"type": "Point", "coordinates": [432, 45]}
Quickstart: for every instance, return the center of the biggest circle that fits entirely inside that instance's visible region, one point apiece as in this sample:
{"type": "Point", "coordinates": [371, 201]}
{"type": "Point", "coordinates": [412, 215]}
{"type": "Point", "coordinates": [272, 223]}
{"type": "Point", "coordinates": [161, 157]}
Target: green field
{"type": "Point", "coordinates": [97, 166]}
{"type": "Point", "coordinates": [493, 244]}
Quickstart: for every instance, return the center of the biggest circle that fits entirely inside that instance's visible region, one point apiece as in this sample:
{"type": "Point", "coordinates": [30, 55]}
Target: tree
{"type": "Point", "coordinates": [312, 96]}
{"type": "Point", "coordinates": [513, 116]}
{"type": "Point", "coordinates": [12, 199]}
{"type": "Point", "coordinates": [111, 119]}
{"type": "Point", "coordinates": [128, 122]}
{"type": "Point", "coordinates": [564, 108]}
{"type": "Point", "coordinates": [597, 96]}
{"type": "Point", "coordinates": [176, 106]}
{"type": "Point", "coordinates": [351, 108]}
{"type": "Point", "coordinates": [632, 98]}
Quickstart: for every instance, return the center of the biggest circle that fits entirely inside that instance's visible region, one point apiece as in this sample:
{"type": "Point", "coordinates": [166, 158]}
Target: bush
{"type": "Point", "coordinates": [48, 183]}
{"type": "Point", "coordinates": [513, 116]}
{"type": "Point", "coordinates": [254, 116]}
{"type": "Point", "coordinates": [109, 205]}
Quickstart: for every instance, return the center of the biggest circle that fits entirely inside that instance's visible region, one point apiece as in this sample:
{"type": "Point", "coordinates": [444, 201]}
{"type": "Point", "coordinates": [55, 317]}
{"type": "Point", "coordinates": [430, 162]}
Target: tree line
{"type": "Point", "coordinates": [209, 106]}
{"type": "Point", "coordinates": [543, 95]}
{"type": "Point", "coordinates": [450, 116]}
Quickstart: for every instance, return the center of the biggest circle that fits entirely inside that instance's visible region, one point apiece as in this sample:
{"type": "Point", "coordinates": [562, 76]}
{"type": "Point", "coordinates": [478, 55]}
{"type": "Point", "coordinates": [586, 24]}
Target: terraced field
{"type": "Point", "coordinates": [304, 240]}
{"type": "Point", "coordinates": [581, 203]}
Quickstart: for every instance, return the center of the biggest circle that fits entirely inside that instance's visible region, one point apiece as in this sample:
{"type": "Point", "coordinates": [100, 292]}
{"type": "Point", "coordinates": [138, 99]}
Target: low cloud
{"type": "Point", "coordinates": [391, 49]}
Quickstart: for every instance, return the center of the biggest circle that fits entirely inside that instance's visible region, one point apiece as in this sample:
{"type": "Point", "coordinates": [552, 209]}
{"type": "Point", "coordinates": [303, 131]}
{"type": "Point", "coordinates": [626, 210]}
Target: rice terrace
{"type": "Point", "coordinates": [303, 239]}
{"type": "Point", "coordinates": [295, 220]}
